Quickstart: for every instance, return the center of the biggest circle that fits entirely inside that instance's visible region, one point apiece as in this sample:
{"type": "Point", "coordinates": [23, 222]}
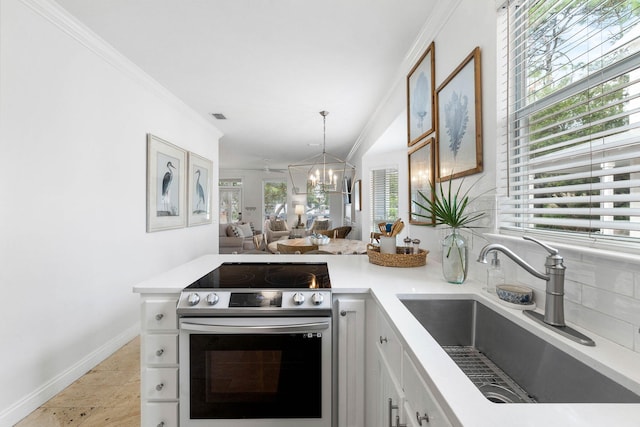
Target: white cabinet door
{"type": "Point", "coordinates": [390, 397]}
{"type": "Point", "coordinates": [421, 407]}
{"type": "Point", "coordinates": [351, 356]}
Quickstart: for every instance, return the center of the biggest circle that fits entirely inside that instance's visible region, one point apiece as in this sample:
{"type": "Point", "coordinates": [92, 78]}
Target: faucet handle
{"type": "Point", "coordinates": [552, 251]}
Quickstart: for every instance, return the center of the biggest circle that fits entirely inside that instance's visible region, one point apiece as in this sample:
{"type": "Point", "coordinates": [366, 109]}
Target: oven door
{"type": "Point", "coordinates": [247, 372]}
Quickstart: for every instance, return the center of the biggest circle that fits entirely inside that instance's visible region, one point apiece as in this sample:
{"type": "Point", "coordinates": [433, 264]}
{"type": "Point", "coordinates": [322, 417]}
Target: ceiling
{"type": "Point", "coordinates": [270, 66]}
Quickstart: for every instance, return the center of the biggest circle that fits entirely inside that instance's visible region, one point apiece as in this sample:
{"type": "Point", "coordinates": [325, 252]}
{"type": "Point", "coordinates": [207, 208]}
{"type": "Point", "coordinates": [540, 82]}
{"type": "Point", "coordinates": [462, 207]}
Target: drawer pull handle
{"type": "Point", "coordinates": [391, 409]}
{"type": "Point", "coordinates": [422, 418]}
{"type": "Point", "coordinates": [161, 424]}
{"type": "Point", "coordinates": [160, 352]}
{"type": "Point", "coordinates": [343, 313]}
{"type": "Point", "coordinates": [160, 386]}
{"type": "Point", "coordinates": [383, 339]}
{"type": "Point", "coordinates": [398, 422]}
{"type": "Point", "coordinates": [159, 316]}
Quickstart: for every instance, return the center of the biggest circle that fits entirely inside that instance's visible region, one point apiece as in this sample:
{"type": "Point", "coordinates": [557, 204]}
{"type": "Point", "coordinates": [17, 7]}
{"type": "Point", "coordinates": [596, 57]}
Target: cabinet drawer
{"type": "Point", "coordinates": [160, 315]}
{"type": "Point", "coordinates": [419, 401]}
{"type": "Point", "coordinates": [160, 414]}
{"type": "Point", "coordinates": [389, 345]}
{"type": "Point", "coordinates": [161, 384]}
{"type": "Point", "coordinates": [161, 349]}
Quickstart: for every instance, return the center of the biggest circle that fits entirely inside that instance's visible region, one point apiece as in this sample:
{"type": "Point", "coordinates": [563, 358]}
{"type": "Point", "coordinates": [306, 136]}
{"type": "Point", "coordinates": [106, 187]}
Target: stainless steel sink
{"type": "Point", "coordinates": [515, 366]}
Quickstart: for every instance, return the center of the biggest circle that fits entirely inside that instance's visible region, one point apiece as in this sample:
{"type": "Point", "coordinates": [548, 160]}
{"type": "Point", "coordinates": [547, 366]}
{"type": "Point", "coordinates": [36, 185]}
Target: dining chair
{"type": "Point", "coordinates": [286, 249]}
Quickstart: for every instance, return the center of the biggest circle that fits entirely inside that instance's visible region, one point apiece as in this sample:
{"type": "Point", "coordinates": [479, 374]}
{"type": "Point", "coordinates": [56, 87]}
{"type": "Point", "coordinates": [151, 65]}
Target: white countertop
{"type": "Point", "coordinates": [354, 274]}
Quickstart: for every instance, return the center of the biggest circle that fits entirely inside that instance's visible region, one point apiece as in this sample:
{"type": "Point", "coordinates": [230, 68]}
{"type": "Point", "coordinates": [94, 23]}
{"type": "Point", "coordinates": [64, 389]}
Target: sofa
{"type": "Point", "coordinates": [235, 238]}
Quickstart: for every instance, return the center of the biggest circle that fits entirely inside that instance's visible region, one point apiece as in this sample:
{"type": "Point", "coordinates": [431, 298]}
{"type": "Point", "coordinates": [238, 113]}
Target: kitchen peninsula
{"type": "Point", "coordinates": [457, 400]}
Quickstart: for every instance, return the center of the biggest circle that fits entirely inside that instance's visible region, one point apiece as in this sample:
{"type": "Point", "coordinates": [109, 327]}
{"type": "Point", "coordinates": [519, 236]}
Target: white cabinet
{"type": "Point", "coordinates": [397, 394]}
{"type": "Point", "coordinates": [159, 361]}
{"type": "Point", "coordinates": [390, 396]}
{"type": "Point", "coordinates": [351, 354]}
{"type": "Point", "coordinates": [420, 406]}
{"type": "Point", "coordinates": [384, 367]}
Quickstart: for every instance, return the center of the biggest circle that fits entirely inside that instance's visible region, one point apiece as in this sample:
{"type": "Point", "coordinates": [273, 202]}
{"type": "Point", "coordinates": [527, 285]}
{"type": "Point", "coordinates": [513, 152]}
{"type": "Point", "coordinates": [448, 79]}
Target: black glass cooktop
{"type": "Point", "coordinates": [271, 275]}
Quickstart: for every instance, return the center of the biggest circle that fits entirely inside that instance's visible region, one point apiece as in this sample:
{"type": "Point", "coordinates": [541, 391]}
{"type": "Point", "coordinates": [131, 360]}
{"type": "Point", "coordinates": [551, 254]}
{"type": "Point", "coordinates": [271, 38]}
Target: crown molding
{"type": "Point", "coordinates": [432, 26]}
{"type": "Point", "coordinates": [58, 16]}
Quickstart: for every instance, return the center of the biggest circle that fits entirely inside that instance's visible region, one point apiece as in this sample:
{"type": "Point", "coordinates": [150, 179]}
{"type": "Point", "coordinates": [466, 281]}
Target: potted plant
{"type": "Point", "coordinates": [450, 208]}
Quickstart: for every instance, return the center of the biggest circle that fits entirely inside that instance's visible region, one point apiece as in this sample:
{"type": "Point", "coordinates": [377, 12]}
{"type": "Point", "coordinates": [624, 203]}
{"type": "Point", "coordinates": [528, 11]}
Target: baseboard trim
{"type": "Point", "coordinates": [35, 399]}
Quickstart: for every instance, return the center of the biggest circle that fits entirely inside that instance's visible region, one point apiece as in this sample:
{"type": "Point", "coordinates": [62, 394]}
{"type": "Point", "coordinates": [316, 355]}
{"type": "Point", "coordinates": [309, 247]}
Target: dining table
{"type": "Point", "coordinates": [335, 246]}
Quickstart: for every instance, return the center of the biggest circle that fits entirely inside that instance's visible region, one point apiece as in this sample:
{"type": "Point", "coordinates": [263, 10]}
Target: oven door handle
{"type": "Point", "coordinates": [278, 329]}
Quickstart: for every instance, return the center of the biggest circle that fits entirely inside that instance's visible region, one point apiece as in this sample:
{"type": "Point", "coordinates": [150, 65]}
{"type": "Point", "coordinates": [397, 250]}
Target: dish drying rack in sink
{"type": "Point", "coordinates": [492, 381]}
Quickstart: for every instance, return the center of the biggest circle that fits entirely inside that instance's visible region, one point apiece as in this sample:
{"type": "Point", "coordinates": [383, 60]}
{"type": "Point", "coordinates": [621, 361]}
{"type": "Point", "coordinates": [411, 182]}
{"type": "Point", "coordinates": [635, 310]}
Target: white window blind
{"type": "Point", "coordinates": [384, 196]}
{"type": "Point", "coordinates": [571, 102]}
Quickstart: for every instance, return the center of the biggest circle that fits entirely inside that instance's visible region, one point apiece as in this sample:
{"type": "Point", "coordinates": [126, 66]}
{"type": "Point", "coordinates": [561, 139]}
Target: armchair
{"type": "Point", "coordinates": [275, 229]}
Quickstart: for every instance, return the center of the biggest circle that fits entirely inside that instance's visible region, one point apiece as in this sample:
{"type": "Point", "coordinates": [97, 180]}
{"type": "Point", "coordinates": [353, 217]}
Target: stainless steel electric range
{"type": "Point", "coordinates": [255, 346]}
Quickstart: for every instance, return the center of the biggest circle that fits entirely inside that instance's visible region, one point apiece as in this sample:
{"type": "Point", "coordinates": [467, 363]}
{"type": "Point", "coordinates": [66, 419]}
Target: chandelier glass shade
{"type": "Point", "coordinates": [323, 173]}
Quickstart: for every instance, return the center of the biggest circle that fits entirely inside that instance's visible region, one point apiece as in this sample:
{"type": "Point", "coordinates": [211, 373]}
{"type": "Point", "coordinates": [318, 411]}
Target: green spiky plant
{"type": "Point", "coordinates": [448, 209]}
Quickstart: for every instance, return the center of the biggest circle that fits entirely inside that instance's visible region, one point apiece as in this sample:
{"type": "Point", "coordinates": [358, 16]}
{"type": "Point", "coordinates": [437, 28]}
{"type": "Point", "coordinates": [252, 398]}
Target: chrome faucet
{"type": "Point", "coordinates": [554, 276]}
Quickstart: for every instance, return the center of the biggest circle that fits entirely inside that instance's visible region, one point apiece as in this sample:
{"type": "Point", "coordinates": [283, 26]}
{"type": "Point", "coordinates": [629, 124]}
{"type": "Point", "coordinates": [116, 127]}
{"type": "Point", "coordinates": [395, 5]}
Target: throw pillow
{"type": "Point", "coordinates": [278, 225]}
{"type": "Point", "coordinates": [234, 231]}
{"type": "Point", "coordinates": [246, 230]}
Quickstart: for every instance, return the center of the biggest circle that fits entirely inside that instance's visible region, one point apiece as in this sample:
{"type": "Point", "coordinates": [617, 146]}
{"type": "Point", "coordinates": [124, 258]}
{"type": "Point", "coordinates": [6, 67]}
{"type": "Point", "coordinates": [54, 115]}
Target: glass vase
{"type": "Point", "coordinates": [455, 259]}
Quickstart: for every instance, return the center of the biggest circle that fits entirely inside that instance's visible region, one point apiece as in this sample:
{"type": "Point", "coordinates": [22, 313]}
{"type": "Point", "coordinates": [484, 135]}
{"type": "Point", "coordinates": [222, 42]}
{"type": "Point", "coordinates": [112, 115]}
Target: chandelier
{"type": "Point", "coordinates": [324, 173]}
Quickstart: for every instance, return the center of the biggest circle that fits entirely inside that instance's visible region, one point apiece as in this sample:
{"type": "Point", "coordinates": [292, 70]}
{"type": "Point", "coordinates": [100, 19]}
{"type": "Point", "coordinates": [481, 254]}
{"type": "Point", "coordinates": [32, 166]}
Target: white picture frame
{"type": "Point", "coordinates": [166, 185]}
{"type": "Point", "coordinates": [199, 190]}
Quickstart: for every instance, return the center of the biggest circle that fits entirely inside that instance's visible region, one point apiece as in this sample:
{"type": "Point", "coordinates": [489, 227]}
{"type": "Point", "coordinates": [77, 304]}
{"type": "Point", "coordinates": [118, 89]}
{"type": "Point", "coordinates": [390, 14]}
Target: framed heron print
{"type": "Point", "coordinates": [459, 129]}
{"type": "Point", "coordinates": [420, 97]}
{"type": "Point", "coordinates": [166, 185]}
{"type": "Point", "coordinates": [200, 186]}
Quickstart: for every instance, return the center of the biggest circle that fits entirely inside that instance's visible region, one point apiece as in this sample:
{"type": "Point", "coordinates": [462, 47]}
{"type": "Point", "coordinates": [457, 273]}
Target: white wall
{"type": "Point", "coordinates": [73, 122]}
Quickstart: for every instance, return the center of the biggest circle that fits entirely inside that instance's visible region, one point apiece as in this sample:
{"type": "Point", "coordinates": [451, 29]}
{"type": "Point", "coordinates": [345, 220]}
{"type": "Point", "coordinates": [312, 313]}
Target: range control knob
{"type": "Point", "coordinates": [317, 299]}
{"type": "Point", "coordinates": [212, 298]}
{"type": "Point", "coordinates": [298, 298]}
{"type": "Point", "coordinates": [193, 299]}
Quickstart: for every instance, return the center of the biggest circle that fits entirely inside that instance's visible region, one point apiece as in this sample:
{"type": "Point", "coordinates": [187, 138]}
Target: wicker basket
{"type": "Point", "coordinates": [399, 259]}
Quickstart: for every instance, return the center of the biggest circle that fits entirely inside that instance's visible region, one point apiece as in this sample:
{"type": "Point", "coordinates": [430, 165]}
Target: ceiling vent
{"type": "Point", "coordinates": [219, 116]}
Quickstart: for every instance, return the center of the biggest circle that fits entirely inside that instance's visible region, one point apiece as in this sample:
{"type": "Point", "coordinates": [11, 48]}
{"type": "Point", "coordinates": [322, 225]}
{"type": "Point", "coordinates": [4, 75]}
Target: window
{"type": "Point", "coordinates": [230, 200]}
{"type": "Point", "coordinates": [318, 204]}
{"type": "Point", "coordinates": [571, 94]}
{"type": "Point", "coordinates": [275, 199]}
{"type": "Point", "coordinates": [384, 196]}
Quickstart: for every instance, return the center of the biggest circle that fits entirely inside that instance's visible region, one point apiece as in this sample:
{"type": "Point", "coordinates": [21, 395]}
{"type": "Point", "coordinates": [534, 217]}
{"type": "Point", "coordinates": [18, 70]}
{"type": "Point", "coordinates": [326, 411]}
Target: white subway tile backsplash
{"type": "Point", "coordinates": [636, 345]}
{"type": "Point", "coordinates": [625, 308]}
{"type": "Point", "coordinates": [602, 276]}
{"type": "Point", "coordinates": [606, 326]}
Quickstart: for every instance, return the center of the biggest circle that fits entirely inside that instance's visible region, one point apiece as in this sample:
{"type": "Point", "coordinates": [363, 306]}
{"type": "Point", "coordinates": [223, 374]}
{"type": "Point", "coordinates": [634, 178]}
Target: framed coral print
{"type": "Point", "coordinates": [166, 185]}
{"type": "Point", "coordinates": [459, 120]}
{"type": "Point", "coordinates": [200, 187]}
{"type": "Point", "coordinates": [421, 178]}
{"type": "Point", "coordinates": [420, 86]}
{"type": "Point", "coordinates": [357, 195]}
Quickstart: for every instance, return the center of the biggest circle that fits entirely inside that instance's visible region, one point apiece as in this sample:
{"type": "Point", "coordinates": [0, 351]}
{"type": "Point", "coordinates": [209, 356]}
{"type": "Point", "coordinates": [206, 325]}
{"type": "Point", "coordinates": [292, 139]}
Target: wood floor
{"type": "Point", "coordinates": [108, 395]}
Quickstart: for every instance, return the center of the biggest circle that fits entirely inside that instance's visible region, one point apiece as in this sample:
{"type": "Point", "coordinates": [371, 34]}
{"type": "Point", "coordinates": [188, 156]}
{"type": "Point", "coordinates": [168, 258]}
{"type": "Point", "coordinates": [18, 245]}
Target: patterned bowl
{"type": "Point", "coordinates": [319, 240]}
{"type": "Point", "coordinates": [515, 294]}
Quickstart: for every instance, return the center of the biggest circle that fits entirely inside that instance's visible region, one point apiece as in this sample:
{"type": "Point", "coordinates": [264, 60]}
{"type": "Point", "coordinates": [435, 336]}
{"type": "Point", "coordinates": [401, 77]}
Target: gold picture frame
{"type": "Point", "coordinates": [421, 159]}
{"type": "Point", "coordinates": [459, 120]}
{"type": "Point", "coordinates": [420, 97]}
